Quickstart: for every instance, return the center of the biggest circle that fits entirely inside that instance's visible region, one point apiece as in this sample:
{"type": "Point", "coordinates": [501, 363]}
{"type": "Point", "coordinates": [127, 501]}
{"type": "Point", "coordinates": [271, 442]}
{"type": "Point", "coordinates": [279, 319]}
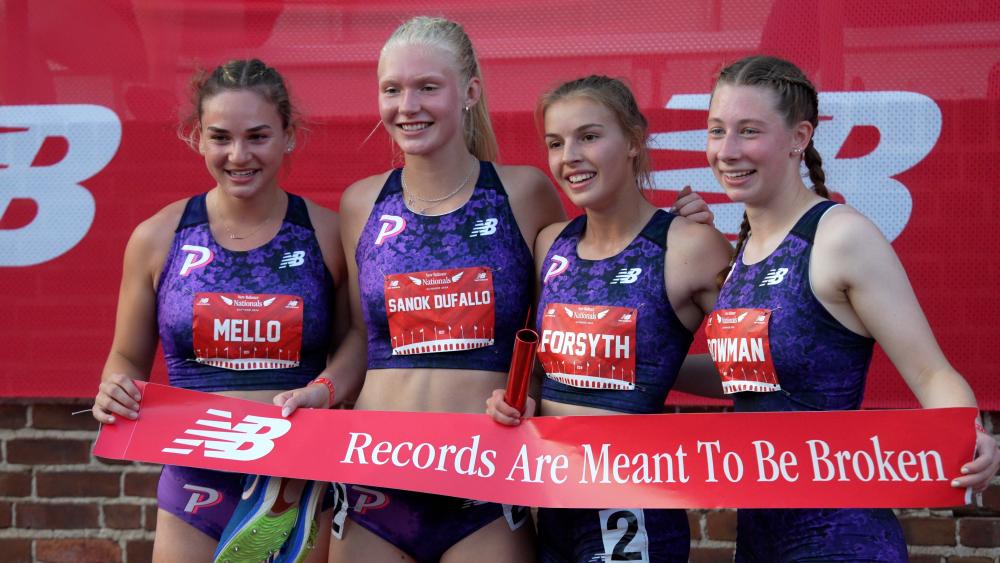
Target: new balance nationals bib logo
{"type": "Point", "coordinates": [250, 439]}
{"type": "Point", "coordinates": [247, 332]}
{"type": "Point", "coordinates": [440, 310]}
{"type": "Point", "coordinates": [589, 346]}
{"type": "Point", "coordinates": [739, 346]}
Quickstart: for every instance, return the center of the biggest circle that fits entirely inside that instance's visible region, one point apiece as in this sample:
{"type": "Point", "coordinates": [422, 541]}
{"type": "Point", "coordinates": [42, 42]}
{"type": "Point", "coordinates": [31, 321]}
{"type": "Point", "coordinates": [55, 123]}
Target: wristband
{"type": "Point", "coordinates": [329, 388]}
{"type": "Point", "coordinates": [979, 426]}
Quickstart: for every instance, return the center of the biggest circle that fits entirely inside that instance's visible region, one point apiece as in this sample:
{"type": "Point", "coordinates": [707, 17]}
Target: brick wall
{"type": "Point", "coordinates": [58, 503]}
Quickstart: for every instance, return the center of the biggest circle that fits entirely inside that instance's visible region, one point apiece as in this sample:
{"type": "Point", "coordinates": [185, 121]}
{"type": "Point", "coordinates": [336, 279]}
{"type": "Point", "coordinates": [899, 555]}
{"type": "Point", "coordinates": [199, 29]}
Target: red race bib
{"type": "Point", "coordinates": [589, 346]}
{"type": "Point", "coordinates": [739, 345]}
{"type": "Point", "coordinates": [246, 332]}
{"type": "Point", "coordinates": [440, 310]}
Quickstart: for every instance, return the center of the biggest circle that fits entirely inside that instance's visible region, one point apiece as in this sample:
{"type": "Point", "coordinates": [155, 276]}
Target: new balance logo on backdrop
{"type": "Point", "coordinates": [774, 277]}
{"type": "Point", "coordinates": [292, 259]}
{"type": "Point", "coordinates": [908, 126]}
{"type": "Point", "coordinates": [484, 227]}
{"type": "Point", "coordinates": [627, 275]}
{"type": "Point", "coordinates": [252, 438]}
{"type": "Point", "coordinates": [65, 208]}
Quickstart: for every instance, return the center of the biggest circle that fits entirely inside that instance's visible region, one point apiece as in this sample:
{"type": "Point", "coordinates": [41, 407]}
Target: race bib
{"type": "Point", "coordinates": [589, 346]}
{"type": "Point", "coordinates": [739, 346]}
{"type": "Point", "coordinates": [440, 310]}
{"type": "Point", "coordinates": [247, 332]}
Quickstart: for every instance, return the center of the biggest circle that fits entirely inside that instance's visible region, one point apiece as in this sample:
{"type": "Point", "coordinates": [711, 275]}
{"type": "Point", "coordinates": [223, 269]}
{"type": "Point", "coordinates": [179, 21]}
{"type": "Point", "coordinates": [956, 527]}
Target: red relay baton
{"type": "Point", "coordinates": [522, 363]}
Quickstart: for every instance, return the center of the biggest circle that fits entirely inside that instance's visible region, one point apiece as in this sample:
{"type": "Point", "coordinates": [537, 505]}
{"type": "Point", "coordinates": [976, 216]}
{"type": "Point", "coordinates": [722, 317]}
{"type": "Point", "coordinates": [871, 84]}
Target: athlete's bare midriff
{"type": "Point", "coordinates": [428, 390]}
{"type": "Point", "coordinates": [553, 408]}
{"type": "Point", "coordinates": [257, 395]}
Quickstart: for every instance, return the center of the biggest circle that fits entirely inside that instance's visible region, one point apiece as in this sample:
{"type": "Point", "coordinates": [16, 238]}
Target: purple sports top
{"type": "Point", "coordinates": [820, 363]}
{"type": "Point", "coordinates": [662, 341]}
{"type": "Point", "coordinates": [482, 232]}
{"type": "Point", "coordinates": [289, 264]}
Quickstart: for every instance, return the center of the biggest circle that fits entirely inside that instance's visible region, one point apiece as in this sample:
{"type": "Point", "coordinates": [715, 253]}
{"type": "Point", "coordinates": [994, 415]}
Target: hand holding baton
{"type": "Point", "coordinates": [522, 363]}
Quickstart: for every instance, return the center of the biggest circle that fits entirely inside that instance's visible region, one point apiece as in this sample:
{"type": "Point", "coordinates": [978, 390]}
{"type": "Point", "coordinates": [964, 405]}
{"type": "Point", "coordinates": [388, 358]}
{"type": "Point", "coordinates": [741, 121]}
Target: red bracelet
{"type": "Point", "coordinates": [979, 426]}
{"type": "Point", "coordinates": [329, 388]}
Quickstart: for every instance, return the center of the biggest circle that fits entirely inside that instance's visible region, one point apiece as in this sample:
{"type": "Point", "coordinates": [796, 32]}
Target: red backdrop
{"type": "Point", "coordinates": [91, 94]}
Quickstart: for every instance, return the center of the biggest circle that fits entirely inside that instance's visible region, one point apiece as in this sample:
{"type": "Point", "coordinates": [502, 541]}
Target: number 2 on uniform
{"type": "Point", "coordinates": [623, 531]}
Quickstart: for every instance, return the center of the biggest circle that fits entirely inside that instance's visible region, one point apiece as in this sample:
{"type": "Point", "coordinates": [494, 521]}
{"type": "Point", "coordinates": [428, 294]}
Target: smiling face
{"type": "Point", "coordinates": [750, 145]}
{"type": "Point", "coordinates": [589, 154]}
{"type": "Point", "coordinates": [242, 141]}
{"type": "Point", "coordinates": [422, 97]}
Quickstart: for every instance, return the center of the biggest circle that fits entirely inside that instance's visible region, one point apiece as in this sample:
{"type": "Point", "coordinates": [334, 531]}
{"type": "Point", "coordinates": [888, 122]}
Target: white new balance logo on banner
{"type": "Point", "coordinates": [774, 277]}
{"type": "Point", "coordinates": [227, 441]}
{"type": "Point", "coordinates": [627, 275]}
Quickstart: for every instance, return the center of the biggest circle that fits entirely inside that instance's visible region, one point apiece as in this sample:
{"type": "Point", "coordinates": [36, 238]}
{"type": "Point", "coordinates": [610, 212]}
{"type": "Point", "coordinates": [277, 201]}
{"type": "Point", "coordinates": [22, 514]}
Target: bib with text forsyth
{"type": "Point", "coordinates": [440, 310]}
{"type": "Point", "coordinates": [247, 332]}
{"type": "Point", "coordinates": [589, 346]}
{"type": "Point", "coordinates": [739, 346]}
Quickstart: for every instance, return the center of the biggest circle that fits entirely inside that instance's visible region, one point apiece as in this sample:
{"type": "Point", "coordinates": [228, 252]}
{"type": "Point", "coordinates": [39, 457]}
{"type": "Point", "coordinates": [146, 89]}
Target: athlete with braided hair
{"type": "Point", "coordinates": [822, 285]}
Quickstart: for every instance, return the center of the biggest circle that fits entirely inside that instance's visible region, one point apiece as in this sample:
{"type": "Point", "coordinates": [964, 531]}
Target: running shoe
{"type": "Point", "coordinates": [260, 524]}
{"type": "Point", "coordinates": [303, 535]}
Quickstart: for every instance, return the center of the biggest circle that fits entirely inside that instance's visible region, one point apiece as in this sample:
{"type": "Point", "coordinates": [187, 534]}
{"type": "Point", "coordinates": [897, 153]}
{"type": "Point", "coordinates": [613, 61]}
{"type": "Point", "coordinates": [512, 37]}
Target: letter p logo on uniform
{"type": "Point", "coordinates": [392, 225]}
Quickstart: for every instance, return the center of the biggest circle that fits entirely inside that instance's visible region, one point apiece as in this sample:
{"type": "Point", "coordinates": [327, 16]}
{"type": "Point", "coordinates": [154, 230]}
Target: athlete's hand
{"type": "Point", "coordinates": [312, 396]}
{"type": "Point", "coordinates": [691, 206]}
{"type": "Point", "coordinates": [980, 471]}
{"type": "Point", "coordinates": [504, 413]}
{"type": "Point", "coordinates": [119, 395]}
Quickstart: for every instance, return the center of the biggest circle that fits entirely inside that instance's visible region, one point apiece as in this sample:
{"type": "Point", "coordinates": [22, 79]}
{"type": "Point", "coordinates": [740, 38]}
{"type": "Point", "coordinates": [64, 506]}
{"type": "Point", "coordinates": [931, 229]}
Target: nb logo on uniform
{"type": "Point", "coordinates": [292, 259]}
{"type": "Point", "coordinates": [250, 439]}
{"type": "Point", "coordinates": [626, 275]}
{"type": "Point", "coordinates": [774, 277]}
{"type": "Point", "coordinates": [484, 228]}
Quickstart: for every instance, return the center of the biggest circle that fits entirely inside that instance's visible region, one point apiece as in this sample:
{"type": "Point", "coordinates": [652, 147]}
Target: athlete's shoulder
{"type": "Point", "coordinates": [151, 239]}
{"type": "Point", "coordinates": [521, 180]}
{"type": "Point", "coordinates": [322, 217]}
{"type": "Point", "coordinates": [844, 230]}
{"type": "Point", "coordinates": [532, 198]}
{"type": "Point", "coordinates": [360, 196]}
{"type": "Point", "coordinates": [696, 239]}
{"type": "Point", "coordinates": [547, 237]}
{"type": "Point", "coordinates": [159, 229]}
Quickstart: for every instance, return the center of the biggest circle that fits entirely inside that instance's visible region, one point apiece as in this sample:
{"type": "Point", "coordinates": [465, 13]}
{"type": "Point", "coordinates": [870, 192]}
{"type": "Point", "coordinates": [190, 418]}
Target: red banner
{"type": "Point", "coordinates": [802, 459]}
{"type": "Point", "coordinates": [91, 93]}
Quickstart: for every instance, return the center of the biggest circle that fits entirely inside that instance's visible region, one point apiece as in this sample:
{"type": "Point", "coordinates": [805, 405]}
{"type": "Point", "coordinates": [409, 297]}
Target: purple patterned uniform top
{"type": "Point", "coordinates": [477, 243]}
{"type": "Point", "coordinates": [820, 363]}
{"type": "Point", "coordinates": [233, 320]}
{"type": "Point", "coordinates": [609, 337]}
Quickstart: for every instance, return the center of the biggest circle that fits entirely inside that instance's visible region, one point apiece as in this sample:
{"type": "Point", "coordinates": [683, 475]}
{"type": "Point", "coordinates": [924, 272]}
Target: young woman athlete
{"type": "Point", "coordinates": [244, 254]}
{"type": "Point", "coordinates": [829, 286]}
{"type": "Point", "coordinates": [638, 278]}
